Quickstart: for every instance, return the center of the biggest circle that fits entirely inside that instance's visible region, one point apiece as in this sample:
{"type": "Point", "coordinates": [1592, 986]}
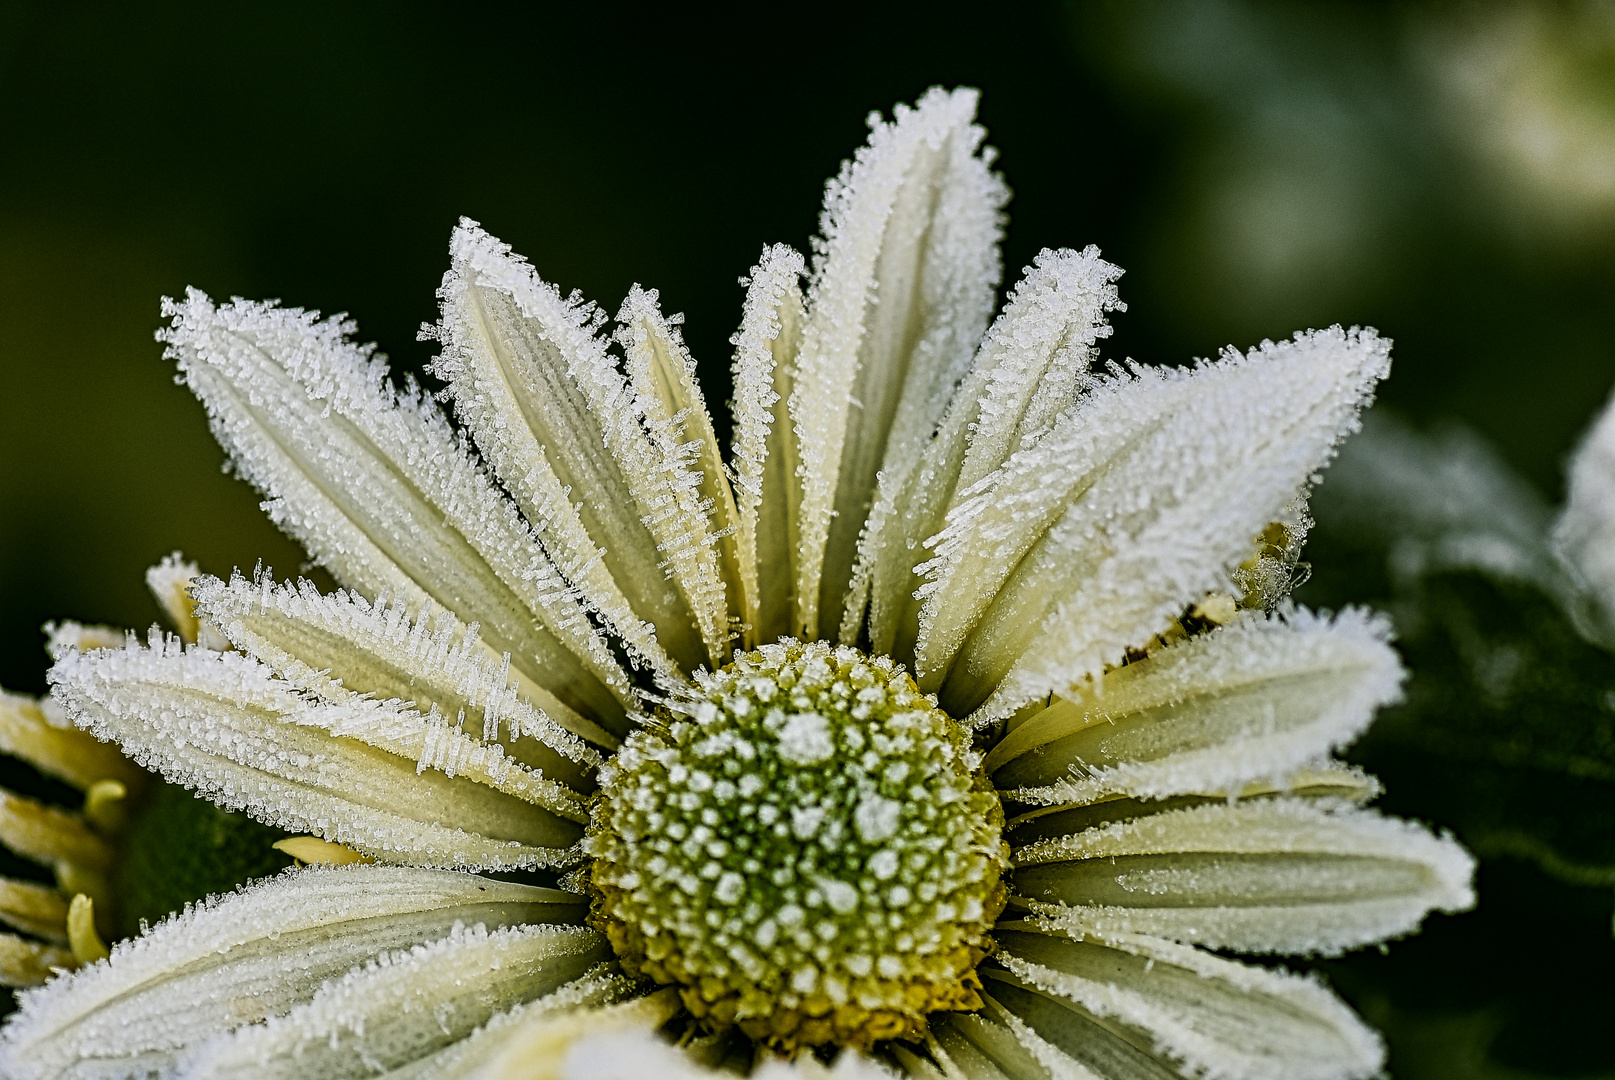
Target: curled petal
{"type": "Point", "coordinates": [1029, 368]}
{"type": "Point", "coordinates": [768, 490]}
{"type": "Point", "coordinates": [902, 289]}
{"type": "Point", "coordinates": [533, 381]}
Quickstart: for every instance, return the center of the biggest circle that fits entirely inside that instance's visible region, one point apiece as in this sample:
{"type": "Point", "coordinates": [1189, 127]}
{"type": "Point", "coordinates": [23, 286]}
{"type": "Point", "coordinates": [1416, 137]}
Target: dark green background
{"type": "Point", "coordinates": [1256, 168]}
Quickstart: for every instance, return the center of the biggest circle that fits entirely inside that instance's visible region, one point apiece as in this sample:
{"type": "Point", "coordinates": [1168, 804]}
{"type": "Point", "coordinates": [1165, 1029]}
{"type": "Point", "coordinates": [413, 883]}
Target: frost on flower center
{"type": "Point", "coordinates": [808, 850]}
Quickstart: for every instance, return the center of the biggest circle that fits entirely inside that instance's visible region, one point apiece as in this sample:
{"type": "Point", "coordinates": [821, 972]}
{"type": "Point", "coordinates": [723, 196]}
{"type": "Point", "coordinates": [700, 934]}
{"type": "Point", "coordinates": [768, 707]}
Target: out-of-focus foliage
{"type": "Point", "coordinates": [1507, 736]}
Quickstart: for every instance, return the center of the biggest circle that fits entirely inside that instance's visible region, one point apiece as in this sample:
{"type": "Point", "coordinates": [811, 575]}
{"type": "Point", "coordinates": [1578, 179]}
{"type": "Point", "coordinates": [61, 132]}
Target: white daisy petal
{"type": "Point", "coordinates": [385, 780]}
{"type": "Point", "coordinates": [1029, 368]}
{"type": "Point", "coordinates": [768, 491]}
{"type": "Point", "coordinates": [1584, 535]}
{"type": "Point", "coordinates": [1212, 1017]}
{"type": "Point", "coordinates": [243, 957]}
{"type": "Point", "coordinates": [698, 537]}
{"type": "Point", "coordinates": [169, 581]}
{"type": "Point", "coordinates": [902, 289]}
{"type": "Point", "coordinates": [533, 381]}
{"type": "Point", "coordinates": [1278, 875]}
{"type": "Point", "coordinates": [374, 484]}
{"type": "Point", "coordinates": [405, 1005]}
{"type": "Point", "coordinates": [428, 659]}
{"type": "Point", "coordinates": [1331, 783]}
{"type": "Point", "coordinates": [1255, 700]}
{"type": "Point", "coordinates": [1141, 500]}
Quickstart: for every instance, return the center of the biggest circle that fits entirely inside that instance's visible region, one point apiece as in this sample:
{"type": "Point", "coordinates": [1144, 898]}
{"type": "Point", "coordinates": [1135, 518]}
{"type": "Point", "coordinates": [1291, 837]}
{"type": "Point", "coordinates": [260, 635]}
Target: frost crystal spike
{"type": "Point", "coordinates": [903, 279]}
{"type": "Point", "coordinates": [396, 785]}
{"type": "Point", "coordinates": [373, 482]}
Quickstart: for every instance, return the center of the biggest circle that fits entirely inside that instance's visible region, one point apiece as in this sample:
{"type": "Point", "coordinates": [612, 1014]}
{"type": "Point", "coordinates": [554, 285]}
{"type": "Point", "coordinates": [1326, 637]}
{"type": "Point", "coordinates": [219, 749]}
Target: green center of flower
{"type": "Point", "coordinates": [808, 849]}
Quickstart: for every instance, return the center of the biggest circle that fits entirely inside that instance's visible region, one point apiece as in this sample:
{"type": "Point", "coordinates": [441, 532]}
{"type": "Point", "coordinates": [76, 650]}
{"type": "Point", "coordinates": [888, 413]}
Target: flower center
{"type": "Point", "coordinates": [807, 849]}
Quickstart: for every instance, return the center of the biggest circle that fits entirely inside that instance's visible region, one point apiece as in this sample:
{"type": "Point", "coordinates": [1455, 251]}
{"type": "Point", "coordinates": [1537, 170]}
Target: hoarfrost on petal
{"type": "Point", "coordinates": [405, 1005]}
{"type": "Point", "coordinates": [768, 489]}
{"type": "Point", "coordinates": [379, 489]}
{"type": "Point", "coordinates": [903, 280]}
{"type": "Point", "coordinates": [1031, 365]}
{"type": "Point", "coordinates": [331, 645]}
{"type": "Point", "coordinates": [246, 956]}
{"type": "Point", "coordinates": [1143, 498]}
{"type": "Point", "coordinates": [1275, 875]}
{"type": "Point", "coordinates": [366, 774]}
{"type": "Point", "coordinates": [1253, 701]}
{"type": "Point", "coordinates": [532, 378]}
{"type": "Point", "coordinates": [1210, 1016]}
{"type": "Point", "coordinates": [695, 519]}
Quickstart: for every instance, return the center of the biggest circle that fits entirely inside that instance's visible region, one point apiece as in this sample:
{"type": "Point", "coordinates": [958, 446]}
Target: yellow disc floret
{"type": "Point", "coordinates": [805, 846]}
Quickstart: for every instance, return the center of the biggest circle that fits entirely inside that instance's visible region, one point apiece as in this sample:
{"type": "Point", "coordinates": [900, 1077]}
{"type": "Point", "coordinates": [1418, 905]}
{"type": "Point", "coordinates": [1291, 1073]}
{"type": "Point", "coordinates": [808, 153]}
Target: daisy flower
{"type": "Point", "coordinates": [954, 723]}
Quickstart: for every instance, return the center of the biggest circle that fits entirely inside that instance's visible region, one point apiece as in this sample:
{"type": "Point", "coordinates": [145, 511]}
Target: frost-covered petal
{"type": "Point", "coordinates": [696, 516]}
{"type": "Point", "coordinates": [532, 380]}
{"type": "Point", "coordinates": [768, 491]}
{"type": "Point", "coordinates": [1331, 783]}
{"type": "Point", "coordinates": [376, 486]}
{"type": "Point", "coordinates": [1281, 875]}
{"type": "Point", "coordinates": [903, 281]}
{"type": "Point", "coordinates": [1255, 700]}
{"type": "Point", "coordinates": [240, 958]}
{"type": "Point", "coordinates": [1144, 497]}
{"type": "Point", "coordinates": [371, 775]}
{"type": "Point", "coordinates": [405, 1005]}
{"type": "Point", "coordinates": [1027, 371]}
{"type": "Point", "coordinates": [1026, 1035]}
{"type": "Point", "coordinates": [1211, 1017]}
{"type": "Point", "coordinates": [1584, 535]}
{"type": "Point", "coordinates": [169, 581]}
{"type": "Point", "coordinates": [533, 1040]}
{"type": "Point", "coordinates": [427, 658]}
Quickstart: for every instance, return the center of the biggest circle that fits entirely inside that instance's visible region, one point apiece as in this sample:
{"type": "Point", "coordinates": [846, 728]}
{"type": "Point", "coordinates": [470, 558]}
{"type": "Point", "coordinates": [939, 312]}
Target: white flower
{"type": "Point", "coordinates": [574, 634]}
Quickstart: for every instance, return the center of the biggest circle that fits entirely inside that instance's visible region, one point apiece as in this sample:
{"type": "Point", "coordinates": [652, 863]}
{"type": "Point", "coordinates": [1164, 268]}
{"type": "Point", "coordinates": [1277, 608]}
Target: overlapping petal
{"type": "Point", "coordinates": [1257, 700]}
{"type": "Point", "coordinates": [1262, 876]}
{"type": "Point", "coordinates": [379, 490]}
{"type": "Point", "coordinates": [1142, 499]}
{"type": "Point", "coordinates": [373, 775]}
{"type": "Point", "coordinates": [244, 957]}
